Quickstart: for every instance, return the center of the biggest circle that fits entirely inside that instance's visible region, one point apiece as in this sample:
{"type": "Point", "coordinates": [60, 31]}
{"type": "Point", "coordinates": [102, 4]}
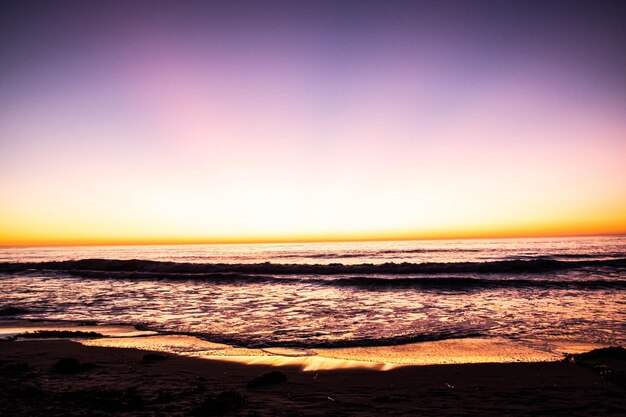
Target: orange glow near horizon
{"type": "Point", "coordinates": [565, 230]}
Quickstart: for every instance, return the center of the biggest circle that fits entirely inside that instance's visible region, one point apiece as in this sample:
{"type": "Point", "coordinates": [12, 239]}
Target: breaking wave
{"type": "Point", "coordinates": [308, 340]}
{"type": "Point", "coordinates": [540, 264]}
{"type": "Point", "coordinates": [461, 275]}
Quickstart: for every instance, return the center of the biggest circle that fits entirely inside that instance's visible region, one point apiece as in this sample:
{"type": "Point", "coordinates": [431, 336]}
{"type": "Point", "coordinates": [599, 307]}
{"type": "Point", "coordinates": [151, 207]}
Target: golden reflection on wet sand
{"type": "Point", "coordinates": [308, 360]}
{"type": "Point", "coordinates": [455, 351]}
{"type": "Point", "coordinates": [379, 357]}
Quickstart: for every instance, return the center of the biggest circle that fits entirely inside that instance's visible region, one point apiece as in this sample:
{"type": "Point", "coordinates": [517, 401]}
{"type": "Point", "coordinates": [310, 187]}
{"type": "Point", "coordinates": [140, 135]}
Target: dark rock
{"type": "Point", "coordinates": [224, 402]}
{"type": "Point", "coordinates": [613, 352]}
{"type": "Point", "coordinates": [605, 362]}
{"type": "Point", "coordinates": [274, 377]}
{"type": "Point", "coordinates": [44, 334]}
{"type": "Point", "coordinates": [71, 366]}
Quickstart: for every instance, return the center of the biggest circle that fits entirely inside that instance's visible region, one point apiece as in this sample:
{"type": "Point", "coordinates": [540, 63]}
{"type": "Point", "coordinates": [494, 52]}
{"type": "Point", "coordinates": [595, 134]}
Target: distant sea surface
{"type": "Point", "coordinates": [334, 294]}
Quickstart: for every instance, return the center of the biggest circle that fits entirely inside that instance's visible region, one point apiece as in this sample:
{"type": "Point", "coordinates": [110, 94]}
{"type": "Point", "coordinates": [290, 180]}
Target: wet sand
{"type": "Point", "coordinates": [122, 381]}
{"type": "Point", "coordinates": [459, 351]}
{"type": "Point", "coordinates": [450, 351]}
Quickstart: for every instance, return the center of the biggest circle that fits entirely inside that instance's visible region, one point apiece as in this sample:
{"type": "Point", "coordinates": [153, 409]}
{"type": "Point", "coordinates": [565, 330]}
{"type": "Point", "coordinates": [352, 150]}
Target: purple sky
{"type": "Point", "coordinates": [174, 121]}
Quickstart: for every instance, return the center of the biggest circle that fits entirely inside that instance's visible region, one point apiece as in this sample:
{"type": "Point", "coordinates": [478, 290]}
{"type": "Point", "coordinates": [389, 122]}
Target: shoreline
{"type": "Point", "coordinates": [447, 351]}
{"type": "Point", "coordinates": [135, 382]}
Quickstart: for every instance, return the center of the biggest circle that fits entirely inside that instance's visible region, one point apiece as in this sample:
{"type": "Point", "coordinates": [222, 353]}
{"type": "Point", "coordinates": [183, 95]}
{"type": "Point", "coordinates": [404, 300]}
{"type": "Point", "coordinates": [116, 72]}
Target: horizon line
{"type": "Point", "coordinates": [182, 242]}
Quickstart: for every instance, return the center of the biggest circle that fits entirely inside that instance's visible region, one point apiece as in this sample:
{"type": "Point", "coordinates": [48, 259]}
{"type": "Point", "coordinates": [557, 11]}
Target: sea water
{"type": "Point", "coordinates": [308, 295]}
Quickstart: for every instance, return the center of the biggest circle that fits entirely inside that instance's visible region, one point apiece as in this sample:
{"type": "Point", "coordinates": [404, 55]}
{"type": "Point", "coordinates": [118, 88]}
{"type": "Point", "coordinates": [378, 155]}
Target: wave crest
{"type": "Point", "coordinates": [390, 268]}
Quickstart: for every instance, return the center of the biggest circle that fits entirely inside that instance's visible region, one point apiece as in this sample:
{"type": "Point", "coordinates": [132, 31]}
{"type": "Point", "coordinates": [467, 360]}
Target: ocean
{"type": "Point", "coordinates": [307, 295]}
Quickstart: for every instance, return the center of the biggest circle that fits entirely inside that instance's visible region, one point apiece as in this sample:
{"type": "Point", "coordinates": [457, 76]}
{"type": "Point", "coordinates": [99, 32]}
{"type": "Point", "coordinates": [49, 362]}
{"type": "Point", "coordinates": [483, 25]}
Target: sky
{"type": "Point", "coordinates": [189, 122]}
